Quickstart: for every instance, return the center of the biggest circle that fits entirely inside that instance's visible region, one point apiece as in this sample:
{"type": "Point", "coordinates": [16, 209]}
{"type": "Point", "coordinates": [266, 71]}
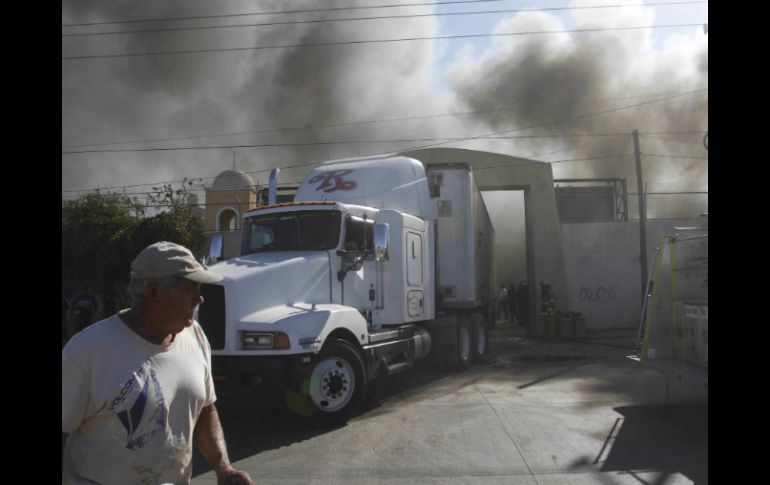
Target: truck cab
{"type": "Point", "coordinates": [333, 290]}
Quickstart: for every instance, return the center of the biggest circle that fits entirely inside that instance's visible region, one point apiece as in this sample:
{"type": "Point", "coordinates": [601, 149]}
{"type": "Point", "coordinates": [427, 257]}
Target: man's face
{"type": "Point", "coordinates": [178, 305]}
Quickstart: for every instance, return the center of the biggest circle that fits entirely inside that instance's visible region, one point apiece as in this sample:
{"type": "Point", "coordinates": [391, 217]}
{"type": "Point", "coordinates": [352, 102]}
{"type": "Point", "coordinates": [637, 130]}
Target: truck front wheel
{"type": "Point", "coordinates": [337, 382]}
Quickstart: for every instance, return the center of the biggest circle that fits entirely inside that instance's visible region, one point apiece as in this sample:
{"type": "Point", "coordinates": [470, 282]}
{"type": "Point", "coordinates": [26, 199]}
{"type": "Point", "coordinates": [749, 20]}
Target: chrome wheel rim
{"type": "Point", "coordinates": [332, 384]}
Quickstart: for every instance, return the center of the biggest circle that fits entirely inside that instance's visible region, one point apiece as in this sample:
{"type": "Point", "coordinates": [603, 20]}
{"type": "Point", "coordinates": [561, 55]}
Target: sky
{"type": "Point", "coordinates": [137, 112]}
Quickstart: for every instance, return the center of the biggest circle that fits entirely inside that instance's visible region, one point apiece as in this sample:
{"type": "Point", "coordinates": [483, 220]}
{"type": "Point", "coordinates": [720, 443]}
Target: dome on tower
{"type": "Point", "coordinates": [232, 179]}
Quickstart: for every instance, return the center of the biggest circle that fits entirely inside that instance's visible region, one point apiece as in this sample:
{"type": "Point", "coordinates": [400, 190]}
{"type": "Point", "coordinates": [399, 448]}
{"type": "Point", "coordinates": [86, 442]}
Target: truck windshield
{"type": "Point", "coordinates": [292, 231]}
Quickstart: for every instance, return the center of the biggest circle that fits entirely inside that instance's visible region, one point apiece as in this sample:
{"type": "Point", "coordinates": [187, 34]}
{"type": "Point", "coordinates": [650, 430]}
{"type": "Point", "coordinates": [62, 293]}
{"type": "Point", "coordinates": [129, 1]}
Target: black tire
{"type": "Point", "coordinates": [460, 352]}
{"type": "Point", "coordinates": [335, 383]}
{"type": "Point", "coordinates": [480, 337]}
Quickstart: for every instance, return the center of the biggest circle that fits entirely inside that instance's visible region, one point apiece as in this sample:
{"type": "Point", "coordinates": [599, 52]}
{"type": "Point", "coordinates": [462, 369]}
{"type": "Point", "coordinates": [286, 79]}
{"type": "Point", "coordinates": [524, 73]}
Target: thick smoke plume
{"type": "Point", "coordinates": [553, 81]}
{"type": "Point", "coordinates": [260, 91]}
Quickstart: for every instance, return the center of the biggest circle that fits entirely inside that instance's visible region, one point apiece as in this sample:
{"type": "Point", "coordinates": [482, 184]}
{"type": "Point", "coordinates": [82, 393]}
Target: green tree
{"type": "Point", "coordinates": [103, 232]}
{"type": "Point", "coordinates": [97, 231]}
{"type": "Point", "coordinates": [174, 223]}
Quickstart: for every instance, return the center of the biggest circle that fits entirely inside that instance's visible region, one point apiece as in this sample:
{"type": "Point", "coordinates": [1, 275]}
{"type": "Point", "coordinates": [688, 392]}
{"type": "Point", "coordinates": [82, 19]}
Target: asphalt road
{"type": "Point", "coordinates": [536, 412]}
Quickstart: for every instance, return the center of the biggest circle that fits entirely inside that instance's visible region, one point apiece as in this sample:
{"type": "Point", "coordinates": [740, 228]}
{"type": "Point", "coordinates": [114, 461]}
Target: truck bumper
{"type": "Point", "coordinates": [257, 382]}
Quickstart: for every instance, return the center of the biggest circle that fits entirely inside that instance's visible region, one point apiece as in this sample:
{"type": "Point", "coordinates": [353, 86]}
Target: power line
{"type": "Point", "coordinates": [344, 142]}
{"type": "Point", "coordinates": [638, 97]}
{"type": "Point", "coordinates": [494, 135]}
{"type": "Point", "coordinates": [581, 147]}
{"type": "Point", "coordinates": [674, 140]}
{"type": "Point", "coordinates": [475, 169]}
{"type": "Point", "coordinates": [575, 118]}
{"type": "Point", "coordinates": [678, 185]}
{"type": "Point", "coordinates": [278, 12]}
{"type": "Point", "coordinates": [355, 123]}
{"type": "Point", "coordinates": [285, 183]}
{"type": "Point", "coordinates": [294, 183]}
{"type": "Point", "coordinates": [376, 41]}
{"type": "Point", "coordinates": [347, 142]}
{"type": "Point", "coordinates": [350, 19]}
{"type": "Point", "coordinates": [671, 193]}
{"type": "Point", "coordinates": [606, 157]}
{"type": "Point", "coordinates": [312, 127]}
{"type": "Point", "coordinates": [674, 132]}
{"type": "Point", "coordinates": [674, 156]}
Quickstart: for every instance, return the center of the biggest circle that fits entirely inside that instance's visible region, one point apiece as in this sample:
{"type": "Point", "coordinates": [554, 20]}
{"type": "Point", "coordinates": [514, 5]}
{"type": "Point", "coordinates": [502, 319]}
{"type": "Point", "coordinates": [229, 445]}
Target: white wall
{"type": "Point", "coordinates": [603, 269]}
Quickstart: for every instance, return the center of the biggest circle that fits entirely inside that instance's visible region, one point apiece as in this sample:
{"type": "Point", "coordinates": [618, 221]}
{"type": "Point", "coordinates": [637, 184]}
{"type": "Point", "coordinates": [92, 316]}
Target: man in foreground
{"type": "Point", "coordinates": [137, 388]}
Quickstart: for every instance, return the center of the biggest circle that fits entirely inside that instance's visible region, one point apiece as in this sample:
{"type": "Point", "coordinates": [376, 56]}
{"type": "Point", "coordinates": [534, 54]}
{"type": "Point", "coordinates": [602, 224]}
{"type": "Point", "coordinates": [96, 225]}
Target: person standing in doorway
{"type": "Point", "coordinates": [523, 297]}
{"type": "Point", "coordinates": [513, 302]}
{"type": "Point", "coordinates": [502, 302]}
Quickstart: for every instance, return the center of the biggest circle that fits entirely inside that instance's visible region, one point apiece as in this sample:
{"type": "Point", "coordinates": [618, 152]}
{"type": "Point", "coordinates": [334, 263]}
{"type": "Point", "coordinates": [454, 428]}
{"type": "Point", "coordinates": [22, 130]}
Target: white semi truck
{"type": "Point", "coordinates": [377, 263]}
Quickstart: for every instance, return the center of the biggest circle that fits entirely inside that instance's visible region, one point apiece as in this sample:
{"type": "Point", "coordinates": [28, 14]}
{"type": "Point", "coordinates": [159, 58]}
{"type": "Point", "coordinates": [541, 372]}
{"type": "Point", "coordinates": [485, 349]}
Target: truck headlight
{"type": "Point", "coordinates": [264, 341]}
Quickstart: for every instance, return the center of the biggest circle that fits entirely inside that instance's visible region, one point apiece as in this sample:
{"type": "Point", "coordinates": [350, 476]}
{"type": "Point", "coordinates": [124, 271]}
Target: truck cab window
{"type": "Point", "coordinates": [292, 231]}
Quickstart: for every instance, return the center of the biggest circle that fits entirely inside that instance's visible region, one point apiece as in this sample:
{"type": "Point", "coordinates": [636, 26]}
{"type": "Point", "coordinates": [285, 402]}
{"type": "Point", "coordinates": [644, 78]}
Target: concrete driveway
{"type": "Point", "coordinates": [537, 412]}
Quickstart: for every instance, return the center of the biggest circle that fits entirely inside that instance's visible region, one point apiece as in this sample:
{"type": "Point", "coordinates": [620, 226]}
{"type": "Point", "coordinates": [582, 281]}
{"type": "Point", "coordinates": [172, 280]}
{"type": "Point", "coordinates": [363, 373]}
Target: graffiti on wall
{"type": "Point", "coordinates": [597, 294]}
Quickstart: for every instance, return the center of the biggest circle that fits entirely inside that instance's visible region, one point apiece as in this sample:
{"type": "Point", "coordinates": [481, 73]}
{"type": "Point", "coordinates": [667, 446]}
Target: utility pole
{"type": "Point", "coordinates": [642, 215]}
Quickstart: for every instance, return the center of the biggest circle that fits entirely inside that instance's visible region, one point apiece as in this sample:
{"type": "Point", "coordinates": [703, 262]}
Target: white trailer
{"type": "Point", "coordinates": [378, 262]}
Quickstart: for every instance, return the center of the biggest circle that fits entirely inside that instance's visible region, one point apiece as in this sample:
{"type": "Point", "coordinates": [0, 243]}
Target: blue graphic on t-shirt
{"type": "Point", "coordinates": [133, 417]}
{"type": "Point", "coordinates": [140, 431]}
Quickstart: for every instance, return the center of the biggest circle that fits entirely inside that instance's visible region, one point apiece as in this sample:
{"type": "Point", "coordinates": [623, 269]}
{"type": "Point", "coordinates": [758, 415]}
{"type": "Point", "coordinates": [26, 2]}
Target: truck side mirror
{"type": "Point", "coordinates": [381, 238]}
{"type": "Point", "coordinates": [215, 250]}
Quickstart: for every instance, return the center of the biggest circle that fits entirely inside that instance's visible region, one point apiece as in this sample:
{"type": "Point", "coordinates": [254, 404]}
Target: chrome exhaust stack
{"type": "Point", "coordinates": [272, 195]}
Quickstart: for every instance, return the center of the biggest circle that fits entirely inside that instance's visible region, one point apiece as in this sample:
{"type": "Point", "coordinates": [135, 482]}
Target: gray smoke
{"type": "Point", "coordinates": [520, 81]}
{"type": "Point", "coordinates": [152, 97]}
{"type": "Point", "coordinates": [558, 79]}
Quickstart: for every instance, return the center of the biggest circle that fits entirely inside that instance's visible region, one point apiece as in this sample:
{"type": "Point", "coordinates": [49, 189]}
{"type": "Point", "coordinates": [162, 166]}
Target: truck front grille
{"type": "Point", "coordinates": [211, 315]}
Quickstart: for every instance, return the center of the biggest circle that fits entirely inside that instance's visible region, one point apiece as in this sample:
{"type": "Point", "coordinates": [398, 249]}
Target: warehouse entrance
{"type": "Point", "coordinates": [496, 172]}
{"type": "Point", "coordinates": [507, 210]}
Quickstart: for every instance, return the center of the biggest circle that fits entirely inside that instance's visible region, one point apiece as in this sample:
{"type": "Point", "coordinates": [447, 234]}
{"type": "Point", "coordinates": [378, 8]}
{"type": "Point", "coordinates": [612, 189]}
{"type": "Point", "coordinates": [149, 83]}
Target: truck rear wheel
{"type": "Point", "coordinates": [336, 383]}
{"type": "Point", "coordinates": [460, 353]}
{"type": "Point", "coordinates": [480, 337]}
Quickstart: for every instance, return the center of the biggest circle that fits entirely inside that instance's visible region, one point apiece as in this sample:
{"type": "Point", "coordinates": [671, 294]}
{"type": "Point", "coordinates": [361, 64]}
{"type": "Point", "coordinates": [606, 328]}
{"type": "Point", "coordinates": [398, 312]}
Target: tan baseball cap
{"type": "Point", "coordinates": [164, 259]}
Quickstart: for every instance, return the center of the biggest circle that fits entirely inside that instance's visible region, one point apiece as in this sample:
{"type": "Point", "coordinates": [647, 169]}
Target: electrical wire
{"type": "Point", "coordinates": [449, 140]}
{"type": "Point", "coordinates": [375, 41]}
{"type": "Point", "coordinates": [674, 156]}
{"type": "Point", "coordinates": [580, 147]}
{"type": "Point", "coordinates": [321, 143]}
{"type": "Point", "coordinates": [350, 19]}
{"type": "Point", "coordinates": [674, 140]}
{"type": "Point", "coordinates": [575, 118]}
{"type": "Point", "coordinates": [305, 165]}
{"type": "Point", "coordinates": [280, 12]}
{"type": "Point", "coordinates": [357, 123]}
{"type": "Point", "coordinates": [565, 120]}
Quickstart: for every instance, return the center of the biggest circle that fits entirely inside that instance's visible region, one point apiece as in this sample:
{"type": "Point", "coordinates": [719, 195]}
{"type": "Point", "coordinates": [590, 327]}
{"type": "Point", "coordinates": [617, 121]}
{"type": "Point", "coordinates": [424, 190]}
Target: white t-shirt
{"type": "Point", "coordinates": [130, 406]}
{"type": "Point", "coordinates": [503, 294]}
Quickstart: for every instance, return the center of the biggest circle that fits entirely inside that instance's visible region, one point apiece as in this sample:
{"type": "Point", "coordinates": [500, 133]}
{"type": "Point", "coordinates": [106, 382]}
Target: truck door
{"type": "Point", "coordinates": [359, 288]}
{"type": "Point", "coordinates": [414, 277]}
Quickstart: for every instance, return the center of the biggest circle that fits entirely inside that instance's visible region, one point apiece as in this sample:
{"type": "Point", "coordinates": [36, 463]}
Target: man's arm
{"type": "Point", "coordinates": [210, 440]}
